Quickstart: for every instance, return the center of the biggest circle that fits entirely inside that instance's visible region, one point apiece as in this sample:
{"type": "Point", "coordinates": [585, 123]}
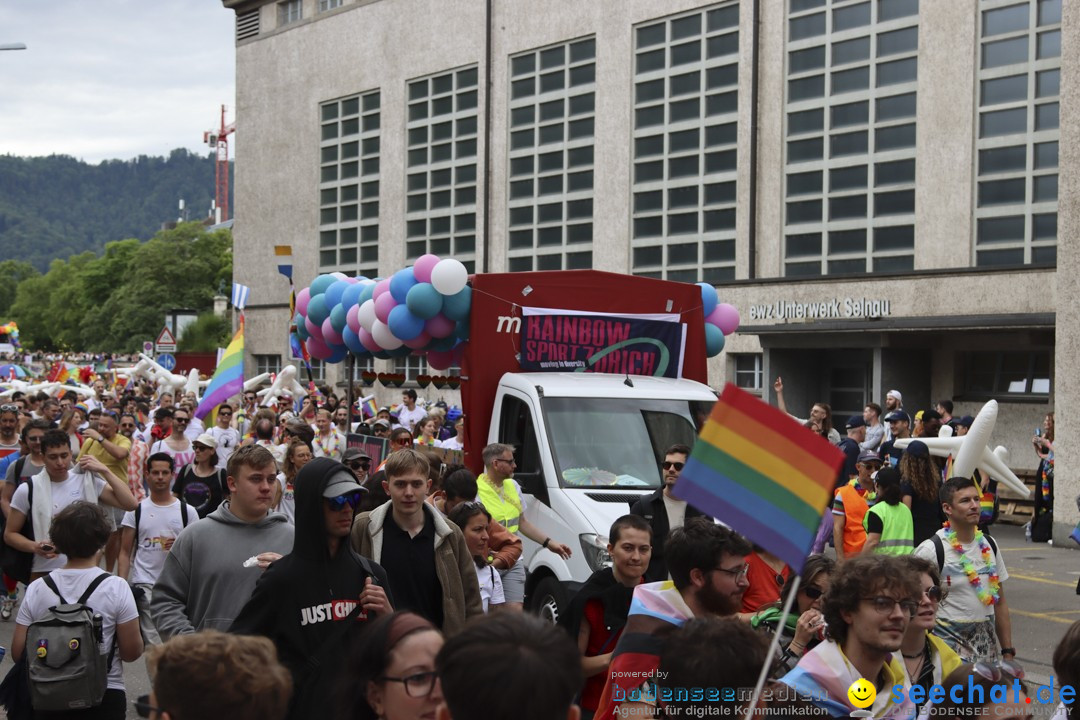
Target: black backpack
{"type": "Point", "coordinates": [939, 549]}
{"type": "Point", "coordinates": [16, 563]}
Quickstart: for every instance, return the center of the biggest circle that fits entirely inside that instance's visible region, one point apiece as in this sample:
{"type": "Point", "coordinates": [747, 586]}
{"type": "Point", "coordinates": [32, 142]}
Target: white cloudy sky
{"type": "Point", "coordinates": [105, 79]}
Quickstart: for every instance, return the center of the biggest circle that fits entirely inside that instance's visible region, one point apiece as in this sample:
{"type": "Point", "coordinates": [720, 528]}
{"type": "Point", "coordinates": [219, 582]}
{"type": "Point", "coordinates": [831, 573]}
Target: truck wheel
{"type": "Point", "coordinates": [548, 599]}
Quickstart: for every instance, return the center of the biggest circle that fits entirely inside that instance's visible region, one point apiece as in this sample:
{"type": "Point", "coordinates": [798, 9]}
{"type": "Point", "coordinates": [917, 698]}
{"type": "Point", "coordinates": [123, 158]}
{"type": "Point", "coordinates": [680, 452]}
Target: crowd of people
{"type": "Point", "coordinates": [268, 570]}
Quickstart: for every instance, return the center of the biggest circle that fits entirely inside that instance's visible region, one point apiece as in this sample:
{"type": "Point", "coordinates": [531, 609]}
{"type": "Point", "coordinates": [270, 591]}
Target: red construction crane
{"type": "Point", "coordinates": [219, 141]}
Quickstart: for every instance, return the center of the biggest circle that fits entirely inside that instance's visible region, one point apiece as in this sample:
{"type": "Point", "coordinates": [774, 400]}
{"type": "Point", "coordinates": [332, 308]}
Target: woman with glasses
{"type": "Point", "coordinates": [474, 520]}
{"type": "Point", "coordinates": [392, 672]}
{"type": "Point", "coordinates": [927, 659]}
{"type": "Point", "coordinates": [804, 627]}
{"type": "Point", "coordinates": [297, 456]}
{"type": "Point", "coordinates": [201, 484]}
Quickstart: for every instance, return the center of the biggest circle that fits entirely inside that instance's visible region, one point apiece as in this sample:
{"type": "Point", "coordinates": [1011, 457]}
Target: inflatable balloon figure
{"type": "Point", "coordinates": [9, 333]}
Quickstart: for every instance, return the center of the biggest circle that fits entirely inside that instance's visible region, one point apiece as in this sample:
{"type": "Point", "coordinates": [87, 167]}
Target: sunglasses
{"type": "Point", "coordinates": [676, 465]}
{"type": "Point", "coordinates": [403, 441]}
{"type": "Point", "coordinates": [933, 592]}
{"type": "Point", "coordinates": [10, 408]}
{"type": "Point", "coordinates": [225, 413]}
{"type": "Point", "coordinates": [338, 503]}
{"type": "Point", "coordinates": [143, 707]}
{"type": "Point", "coordinates": [359, 464]}
{"type": "Point", "coordinates": [181, 419]}
{"type": "Point", "coordinates": [813, 592]}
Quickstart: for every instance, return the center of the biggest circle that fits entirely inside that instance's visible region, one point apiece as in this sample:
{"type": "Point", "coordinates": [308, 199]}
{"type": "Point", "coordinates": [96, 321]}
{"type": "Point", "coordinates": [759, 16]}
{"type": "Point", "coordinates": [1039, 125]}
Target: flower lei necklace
{"type": "Point", "coordinates": [986, 597]}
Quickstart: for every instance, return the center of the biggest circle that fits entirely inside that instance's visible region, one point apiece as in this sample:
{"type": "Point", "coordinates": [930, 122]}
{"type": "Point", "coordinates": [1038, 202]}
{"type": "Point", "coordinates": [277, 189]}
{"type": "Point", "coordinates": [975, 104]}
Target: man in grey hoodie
{"type": "Point", "coordinates": [207, 578]}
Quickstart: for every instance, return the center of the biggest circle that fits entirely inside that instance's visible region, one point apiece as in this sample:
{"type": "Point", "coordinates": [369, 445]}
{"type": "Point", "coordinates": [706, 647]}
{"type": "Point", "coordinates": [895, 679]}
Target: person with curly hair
{"type": "Point", "coordinates": [919, 486]}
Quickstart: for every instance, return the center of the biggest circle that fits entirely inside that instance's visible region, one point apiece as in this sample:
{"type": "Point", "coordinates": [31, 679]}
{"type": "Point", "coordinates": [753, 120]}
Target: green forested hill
{"type": "Point", "coordinates": [57, 206]}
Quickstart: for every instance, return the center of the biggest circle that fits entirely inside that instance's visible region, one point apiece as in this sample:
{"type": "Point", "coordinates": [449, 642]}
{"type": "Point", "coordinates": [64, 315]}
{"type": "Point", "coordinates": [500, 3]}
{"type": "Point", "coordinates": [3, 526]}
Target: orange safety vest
{"type": "Point", "coordinates": [855, 508]}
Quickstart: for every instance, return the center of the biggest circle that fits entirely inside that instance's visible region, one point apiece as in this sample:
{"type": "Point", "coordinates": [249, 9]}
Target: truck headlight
{"type": "Point", "coordinates": [594, 548]}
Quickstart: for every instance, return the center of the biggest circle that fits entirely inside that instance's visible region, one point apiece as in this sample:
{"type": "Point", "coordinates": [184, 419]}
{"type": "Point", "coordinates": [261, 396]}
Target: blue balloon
{"type": "Point", "coordinates": [461, 331]}
{"type": "Point", "coordinates": [423, 300]}
{"type": "Point", "coordinates": [301, 328]}
{"type": "Point", "coordinates": [351, 295]}
{"type": "Point", "coordinates": [340, 351]}
{"type": "Point", "coordinates": [708, 298]}
{"type": "Point", "coordinates": [334, 292]}
{"type": "Point", "coordinates": [318, 285]}
{"type": "Point", "coordinates": [337, 317]}
{"type": "Point", "coordinates": [714, 340]}
{"type": "Point", "coordinates": [317, 309]}
{"type": "Point", "coordinates": [404, 324]}
{"type": "Point", "coordinates": [400, 284]}
{"type": "Point", "coordinates": [366, 292]}
{"type": "Point", "coordinates": [352, 341]}
{"type": "Point", "coordinates": [457, 306]}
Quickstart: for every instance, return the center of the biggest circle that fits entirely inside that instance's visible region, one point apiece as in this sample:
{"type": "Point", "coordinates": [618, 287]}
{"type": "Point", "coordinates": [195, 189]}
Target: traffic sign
{"type": "Point", "coordinates": [148, 347]}
{"type": "Point", "coordinates": [167, 361]}
{"type": "Point", "coordinates": [166, 341]}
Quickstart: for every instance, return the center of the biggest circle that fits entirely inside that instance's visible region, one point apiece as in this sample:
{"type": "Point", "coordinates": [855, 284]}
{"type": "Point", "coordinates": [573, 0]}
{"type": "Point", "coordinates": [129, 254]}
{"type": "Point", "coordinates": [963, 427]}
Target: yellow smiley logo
{"type": "Point", "coordinates": [862, 693]}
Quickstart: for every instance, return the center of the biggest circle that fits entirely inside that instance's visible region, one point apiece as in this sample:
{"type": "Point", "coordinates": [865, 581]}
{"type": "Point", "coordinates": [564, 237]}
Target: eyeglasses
{"type": "Point", "coordinates": [144, 708]}
{"type": "Point", "coordinates": [359, 464]}
{"type": "Point", "coordinates": [416, 686]}
{"type": "Point", "coordinates": [737, 573]}
{"type": "Point", "coordinates": [884, 605]}
{"type": "Point", "coordinates": [179, 419]}
{"type": "Point", "coordinates": [933, 592]}
{"type": "Point", "coordinates": [202, 447]}
{"type": "Point", "coordinates": [995, 672]}
{"type": "Point", "coordinates": [508, 461]}
{"type": "Point", "coordinates": [338, 503]}
{"type": "Point", "coordinates": [225, 413]}
{"type": "Point", "coordinates": [676, 465]}
{"type": "Point", "coordinates": [812, 592]}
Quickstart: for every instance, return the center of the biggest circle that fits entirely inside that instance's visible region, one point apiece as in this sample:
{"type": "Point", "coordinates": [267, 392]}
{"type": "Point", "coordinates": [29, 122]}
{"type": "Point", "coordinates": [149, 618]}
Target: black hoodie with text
{"type": "Point", "coordinates": [302, 598]}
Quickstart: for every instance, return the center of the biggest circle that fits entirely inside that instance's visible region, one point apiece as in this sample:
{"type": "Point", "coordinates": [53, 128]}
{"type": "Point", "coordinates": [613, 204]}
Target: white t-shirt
{"type": "Point", "coordinates": [112, 600]}
{"type": "Point", "coordinates": [453, 443]}
{"type": "Point", "coordinates": [676, 511]}
{"type": "Point", "coordinates": [156, 524]}
{"type": "Point", "coordinates": [961, 603]}
{"type": "Point", "coordinates": [408, 418]}
{"type": "Point", "coordinates": [195, 428]}
{"type": "Point", "coordinates": [227, 441]}
{"type": "Point", "coordinates": [491, 587]}
{"type": "Point", "coordinates": [63, 494]}
{"type": "Point", "coordinates": [287, 507]}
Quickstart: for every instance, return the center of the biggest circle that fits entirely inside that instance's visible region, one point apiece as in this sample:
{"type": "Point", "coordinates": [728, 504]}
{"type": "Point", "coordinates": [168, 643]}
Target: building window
{"type": "Point", "coordinates": [1016, 198]}
{"type": "Point", "coordinates": [1013, 374]}
{"type": "Point", "coordinates": [318, 372]}
{"type": "Point", "coordinates": [267, 364]}
{"type": "Point", "coordinates": [362, 365]}
{"type": "Point", "coordinates": [686, 77]}
{"type": "Point", "coordinates": [349, 185]}
{"type": "Point", "coordinates": [852, 72]}
{"type": "Point", "coordinates": [440, 212]}
{"type": "Point", "coordinates": [748, 372]}
{"type": "Point", "coordinates": [325, 5]}
{"type": "Point", "coordinates": [289, 11]}
{"type": "Point", "coordinates": [552, 128]}
{"type": "Point", "coordinates": [411, 366]}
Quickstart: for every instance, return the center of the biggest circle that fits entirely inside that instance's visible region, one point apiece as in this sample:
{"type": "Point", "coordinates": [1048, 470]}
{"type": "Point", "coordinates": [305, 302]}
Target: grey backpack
{"type": "Point", "coordinates": [67, 669]}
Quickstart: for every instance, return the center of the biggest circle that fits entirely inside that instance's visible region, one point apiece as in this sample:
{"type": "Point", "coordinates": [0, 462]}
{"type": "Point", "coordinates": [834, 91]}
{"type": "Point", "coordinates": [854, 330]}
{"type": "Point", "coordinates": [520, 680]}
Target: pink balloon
{"type": "Point", "coordinates": [440, 359]}
{"type": "Point", "coordinates": [314, 330]}
{"type": "Point", "coordinates": [352, 319]}
{"type": "Point", "coordinates": [423, 266]}
{"type": "Point", "coordinates": [440, 326]}
{"type": "Point", "coordinates": [302, 299]}
{"type": "Point", "coordinates": [381, 287]}
{"type": "Point", "coordinates": [419, 341]}
{"type": "Point", "coordinates": [318, 348]}
{"type": "Point", "coordinates": [383, 305]}
{"type": "Point", "coordinates": [367, 341]}
{"type": "Point", "coordinates": [330, 335]}
{"type": "Point", "coordinates": [725, 317]}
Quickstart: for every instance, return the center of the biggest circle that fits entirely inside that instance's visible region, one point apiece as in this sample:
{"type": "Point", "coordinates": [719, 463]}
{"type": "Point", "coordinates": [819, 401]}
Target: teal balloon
{"type": "Point", "coordinates": [301, 328]}
{"type": "Point", "coordinates": [461, 331]}
{"type": "Point", "coordinates": [337, 317]}
{"type": "Point", "coordinates": [334, 292]}
{"type": "Point", "coordinates": [366, 292]}
{"type": "Point", "coordinates": [320, 284]}
{"type": "Point", "coordinates": [458, 305]}
{"type": "Point", "coordinates": [351, 295]}
{"type": "Point", "coordinates": [317, 309]}
{"type": "Point", "coordinates": [404, 324]}
{"type": "Point", "coordinates": [714, 340]}
{"type": "Point", "coordinates": [443, 344]}
{"type": "Point", "coordinates": [423, 301]}
{"type": "Point", "coordinates": [399, 352]}
{"type": "Point", "coordinates": [382, 354]}
{"type": "Point", "coordinates": [708, 298]}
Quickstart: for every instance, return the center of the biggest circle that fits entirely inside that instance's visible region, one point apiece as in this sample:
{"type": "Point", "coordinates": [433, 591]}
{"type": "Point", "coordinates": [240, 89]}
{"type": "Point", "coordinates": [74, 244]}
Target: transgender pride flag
{"type": "Point", "coordinates": [228, 379]}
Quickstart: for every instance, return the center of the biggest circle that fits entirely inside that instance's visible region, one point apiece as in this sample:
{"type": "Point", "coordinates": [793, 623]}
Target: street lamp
{"type": "Point", "coordinates": [12, 46]}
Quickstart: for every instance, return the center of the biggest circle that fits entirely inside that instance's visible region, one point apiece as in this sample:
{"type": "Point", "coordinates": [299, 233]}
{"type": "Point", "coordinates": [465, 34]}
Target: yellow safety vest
{"type": "Point", "coordinates": [505, 507]}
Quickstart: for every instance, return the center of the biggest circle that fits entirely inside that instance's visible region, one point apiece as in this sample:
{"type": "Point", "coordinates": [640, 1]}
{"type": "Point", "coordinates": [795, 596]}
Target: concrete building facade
{"type": "Point", "coordinates": [873, 183]}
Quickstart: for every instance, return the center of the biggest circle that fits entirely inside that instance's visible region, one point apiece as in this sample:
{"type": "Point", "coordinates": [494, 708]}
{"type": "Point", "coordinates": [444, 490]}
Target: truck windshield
{"type": "Point", "coordinates": [618, 442]}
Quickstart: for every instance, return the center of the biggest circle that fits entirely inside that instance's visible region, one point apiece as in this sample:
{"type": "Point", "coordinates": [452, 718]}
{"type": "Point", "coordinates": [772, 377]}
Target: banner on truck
{"type": "Point", "coordinates": [572, 341]}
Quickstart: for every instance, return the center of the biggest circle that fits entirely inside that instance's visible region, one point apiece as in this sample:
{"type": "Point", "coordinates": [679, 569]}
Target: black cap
{"type": "Point", "coordinates": [965, 421]}
{"type": "Point", "coordinates": [917, 448]}
{"type": "Point", "coordinates": [898, 415]}
{"type": "Point", "coordinates": [855, 421]}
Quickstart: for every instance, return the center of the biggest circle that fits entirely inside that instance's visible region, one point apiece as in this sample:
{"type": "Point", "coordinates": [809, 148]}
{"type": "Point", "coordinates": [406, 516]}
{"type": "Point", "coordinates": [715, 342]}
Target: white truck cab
{"type": "Point", "coordinates": [587, 446]}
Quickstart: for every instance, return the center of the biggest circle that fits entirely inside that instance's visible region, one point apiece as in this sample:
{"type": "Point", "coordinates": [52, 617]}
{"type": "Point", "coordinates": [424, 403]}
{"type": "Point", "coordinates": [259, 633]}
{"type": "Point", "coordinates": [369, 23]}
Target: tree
{"type": "Point", "coordinates": [206, 334]}
{"type": "Point", "coordinates": [12, 272]}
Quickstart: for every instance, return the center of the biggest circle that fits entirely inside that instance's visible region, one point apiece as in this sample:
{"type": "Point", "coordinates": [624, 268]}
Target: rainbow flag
{"type": "Point", "coordinates": [756, 469]}
{"type": "Point", "coordinates": [370, 409]}
{"type": "Point", "coordinates": [228, 379]}
{"type": "Point", "coordinates": [58, 373]}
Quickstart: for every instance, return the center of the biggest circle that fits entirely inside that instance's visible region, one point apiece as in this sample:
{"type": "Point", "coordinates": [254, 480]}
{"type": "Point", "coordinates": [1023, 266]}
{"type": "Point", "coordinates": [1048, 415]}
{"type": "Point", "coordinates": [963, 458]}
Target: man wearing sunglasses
{"type": "Point", "coordinates": [871, 601]}
{"type": "Point", "coordinates": [228, 438]}
{"type": "Point", "coordinates": [315, 602]}
{"type": "Point", "coordinates": [663, 511]}
{"type": "Point", "coordinates": [358, 462]}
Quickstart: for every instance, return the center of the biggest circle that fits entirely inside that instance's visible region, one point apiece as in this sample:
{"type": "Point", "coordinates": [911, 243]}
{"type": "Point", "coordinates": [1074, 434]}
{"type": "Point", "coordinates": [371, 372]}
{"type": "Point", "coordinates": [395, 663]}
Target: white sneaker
{"type": "Point", "coordinates": [7, 606]}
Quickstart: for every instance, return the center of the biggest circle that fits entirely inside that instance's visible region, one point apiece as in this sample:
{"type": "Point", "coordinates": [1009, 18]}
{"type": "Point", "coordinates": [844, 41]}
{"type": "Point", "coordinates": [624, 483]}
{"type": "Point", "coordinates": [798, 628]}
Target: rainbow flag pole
{"type": "Point", "coordinates": [756, 469]}
{"type": "Point", "coordinates": [228, 378]}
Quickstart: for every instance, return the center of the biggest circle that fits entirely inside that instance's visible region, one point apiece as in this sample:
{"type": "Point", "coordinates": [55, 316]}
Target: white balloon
{"type": "Point", "coordinates": [366, 315]}
{"type": "Point", "coordinates": [386, 339]}
{"type": "Point", "coordinates": [449, 276]}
